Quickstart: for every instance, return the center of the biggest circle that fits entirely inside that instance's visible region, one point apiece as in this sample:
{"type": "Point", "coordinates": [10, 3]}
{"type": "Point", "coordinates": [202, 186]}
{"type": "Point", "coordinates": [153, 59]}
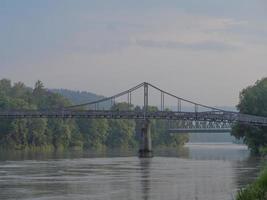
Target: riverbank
{"type": "Point", "coordinates": [256, 190]}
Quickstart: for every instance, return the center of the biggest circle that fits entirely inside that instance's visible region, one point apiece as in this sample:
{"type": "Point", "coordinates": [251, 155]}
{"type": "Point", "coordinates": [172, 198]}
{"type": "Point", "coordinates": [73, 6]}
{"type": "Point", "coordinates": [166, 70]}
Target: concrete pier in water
{"type": "Point", "coordinates": [145, 150]}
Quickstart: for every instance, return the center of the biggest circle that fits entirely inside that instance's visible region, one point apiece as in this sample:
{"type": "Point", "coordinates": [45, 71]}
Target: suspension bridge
{"type": "Point", "coordinates": [189, 116]}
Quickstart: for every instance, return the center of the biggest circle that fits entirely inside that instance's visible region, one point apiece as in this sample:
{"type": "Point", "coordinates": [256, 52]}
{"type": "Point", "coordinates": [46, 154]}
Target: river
{"type": "Point", "coordinates": [195, 172]}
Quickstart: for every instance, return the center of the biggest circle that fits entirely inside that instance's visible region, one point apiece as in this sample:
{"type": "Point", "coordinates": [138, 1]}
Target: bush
{"type": "Point", "coordinates": [255, 191]}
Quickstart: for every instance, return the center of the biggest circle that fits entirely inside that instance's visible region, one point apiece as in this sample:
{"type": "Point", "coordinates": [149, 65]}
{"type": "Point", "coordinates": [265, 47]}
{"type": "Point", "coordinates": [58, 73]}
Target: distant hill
{"type": "Point", "coordinates": [80, 97]}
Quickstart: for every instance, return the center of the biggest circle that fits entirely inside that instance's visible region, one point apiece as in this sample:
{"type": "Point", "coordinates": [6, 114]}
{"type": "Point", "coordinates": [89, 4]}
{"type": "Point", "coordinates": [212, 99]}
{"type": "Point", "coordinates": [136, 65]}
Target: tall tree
{"type": "Point", "coordinates": [94, 131]}
{"type": "Point", "coordinates": [36, 132]}
{"type": "Point", "coordinates": [18, 134]}
{"type": "Point", "coordinates": [5, 86]}
{"type": "Point", "coordinates": [253, 100]}
{"type": "Point", "coordinates": [121, 134]}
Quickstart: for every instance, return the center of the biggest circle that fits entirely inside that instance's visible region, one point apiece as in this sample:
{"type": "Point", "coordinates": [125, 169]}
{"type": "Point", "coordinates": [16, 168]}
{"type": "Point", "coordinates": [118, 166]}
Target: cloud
{"type": "Point", "coordinates": [196, 46]}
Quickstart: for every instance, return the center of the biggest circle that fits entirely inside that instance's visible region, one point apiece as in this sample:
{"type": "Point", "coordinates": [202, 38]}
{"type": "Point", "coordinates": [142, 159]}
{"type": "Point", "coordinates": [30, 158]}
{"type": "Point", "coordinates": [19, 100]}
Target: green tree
{"type": "Point", "coordinates": [60, 132]}
{"type": "Point", "coordinates": [31, 133]}
{"type": "Point", "coordinates": [161, 136]}
{"type": "Point", "coordinates": [253, 100]}
{"type": "Point", "coordinates": [18, 134]}
{"type": "Point", "coordinates": [94, 131]}
{"type": "Point", "coordinates": [37, 132]}
{"type": "Point", "coordinates": [5, 86]}
{"type": "Point", "coordinates": [19, 90]}
{"type": "Point", "coordinates": [38, 88]}
{"type": "Point", "coordinates": [121, 134]}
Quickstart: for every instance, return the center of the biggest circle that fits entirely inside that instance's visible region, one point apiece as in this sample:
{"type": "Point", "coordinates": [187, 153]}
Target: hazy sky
{"type": "Point", "coordinates": [204, 50]}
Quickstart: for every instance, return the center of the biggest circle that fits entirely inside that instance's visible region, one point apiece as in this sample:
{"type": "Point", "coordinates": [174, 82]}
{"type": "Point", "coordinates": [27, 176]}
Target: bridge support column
{"type": "Point", "coordinates": [145, 150]}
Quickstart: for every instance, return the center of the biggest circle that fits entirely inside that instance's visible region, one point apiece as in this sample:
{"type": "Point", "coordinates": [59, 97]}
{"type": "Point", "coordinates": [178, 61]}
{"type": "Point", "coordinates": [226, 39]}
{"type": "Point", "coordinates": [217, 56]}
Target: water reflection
{"type": "Point", "coordinates": [182, 152]}
{"type": "Point", "coordinates": [217, 151]}
{"type": "Point", "coordinates": [53, 155]}
{"type": "Point", "coordinates": [145, 167]}
{"type": "Point", "coordinates": [247, 170]}
{"type": "Point", "coordinates": [203, 172]}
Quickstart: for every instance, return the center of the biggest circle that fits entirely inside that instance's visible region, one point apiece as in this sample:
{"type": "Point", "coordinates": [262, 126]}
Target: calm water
{"type": "Point", "coordinates": [195, 172]}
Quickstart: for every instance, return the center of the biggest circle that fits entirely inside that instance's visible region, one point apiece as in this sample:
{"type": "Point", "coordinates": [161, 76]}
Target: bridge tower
{"type": "Point", "coordinates": [145, 139]}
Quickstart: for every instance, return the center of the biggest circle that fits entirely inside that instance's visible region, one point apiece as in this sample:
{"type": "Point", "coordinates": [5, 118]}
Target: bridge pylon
{"type": "Point", "coordinates": [145, 150]}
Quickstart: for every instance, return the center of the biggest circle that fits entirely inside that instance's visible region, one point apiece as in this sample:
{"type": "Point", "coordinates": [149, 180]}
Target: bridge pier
{"type": "Point", "coordinates": [145, 150]}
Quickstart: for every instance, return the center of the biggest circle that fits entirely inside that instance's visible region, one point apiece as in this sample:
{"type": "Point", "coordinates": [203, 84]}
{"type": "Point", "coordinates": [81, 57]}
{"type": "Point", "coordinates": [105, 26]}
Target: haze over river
{"type": "Point", "coordinates": [194, 172]}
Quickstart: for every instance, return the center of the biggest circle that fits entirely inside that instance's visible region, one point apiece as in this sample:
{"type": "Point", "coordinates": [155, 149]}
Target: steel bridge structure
{"type": "Point", "coordinates": [199, 118]}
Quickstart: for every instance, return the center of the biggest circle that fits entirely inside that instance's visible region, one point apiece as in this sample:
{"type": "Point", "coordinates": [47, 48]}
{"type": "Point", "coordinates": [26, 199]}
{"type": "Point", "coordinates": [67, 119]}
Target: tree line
{"type": "Point", "coordinates": [52, 134]}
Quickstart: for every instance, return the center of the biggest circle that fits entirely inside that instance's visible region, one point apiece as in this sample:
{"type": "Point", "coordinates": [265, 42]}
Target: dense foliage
{"type": "Point", "coordinates": [253, 100]}
{"type": "Point", "coordinates": [255, 191]}
{"type": "Point", "coordinates": [67, 133]}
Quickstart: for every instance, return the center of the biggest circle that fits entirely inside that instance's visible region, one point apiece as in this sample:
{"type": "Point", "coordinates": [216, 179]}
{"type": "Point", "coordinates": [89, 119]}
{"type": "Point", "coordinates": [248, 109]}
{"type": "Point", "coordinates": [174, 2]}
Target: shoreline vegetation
{"type": "Point", "coordinates": [255, 191]}
{"type": "Point", "coordinates": [63, 134]}
{"type": "Point", "coordinates": [253, 100]}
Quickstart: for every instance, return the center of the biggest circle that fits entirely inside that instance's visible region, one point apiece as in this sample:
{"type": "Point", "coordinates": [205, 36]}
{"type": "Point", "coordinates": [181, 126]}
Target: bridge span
{"type": "Point", "coordinates": [202, 117]}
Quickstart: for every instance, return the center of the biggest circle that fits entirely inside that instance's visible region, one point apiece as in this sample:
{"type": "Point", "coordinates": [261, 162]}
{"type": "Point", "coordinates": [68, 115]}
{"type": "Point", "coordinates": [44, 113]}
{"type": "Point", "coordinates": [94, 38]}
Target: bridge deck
{"type": "Point", "coordinates": [227, 117]}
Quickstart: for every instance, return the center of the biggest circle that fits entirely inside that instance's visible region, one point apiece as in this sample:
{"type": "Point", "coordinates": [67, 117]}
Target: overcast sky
{"type": "Point", "coordinates": [204, 50]}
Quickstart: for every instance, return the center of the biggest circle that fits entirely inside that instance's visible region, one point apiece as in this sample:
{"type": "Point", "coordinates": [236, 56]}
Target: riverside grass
{"type": "Point", "coordinates": [255, 191]}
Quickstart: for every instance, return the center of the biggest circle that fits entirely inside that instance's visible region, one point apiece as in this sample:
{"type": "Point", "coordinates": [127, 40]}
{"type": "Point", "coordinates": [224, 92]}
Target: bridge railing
{"type": "Point", "coordinates": [227, 117]}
